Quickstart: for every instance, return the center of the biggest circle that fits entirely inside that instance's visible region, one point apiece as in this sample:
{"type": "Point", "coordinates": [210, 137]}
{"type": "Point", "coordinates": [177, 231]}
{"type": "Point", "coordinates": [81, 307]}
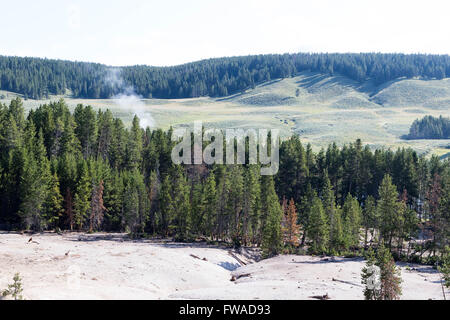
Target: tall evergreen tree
{"type": "Point", "coordinates": [272, 236]}
{"type": "Point", "coordinates": [351, 212]}
{"type": "Point", "coordinates": [53, 206]}
{"type": "Point", "coordinates": [388, 211]}
{"type": "Point", "coordinates": [210, 197]}
{"type": "Point", "coordinates": [290, 228]}
{"type": "Point", "coordinates": [35, 180]}
{"type": "Point", "coordinates": [81, 199]}
{"type": "Point", "coordinates": [369, 218]}
{"type": "Point", "coordinates": [135, 203]}
{"type": "Point", "coordinates": [318, 231]}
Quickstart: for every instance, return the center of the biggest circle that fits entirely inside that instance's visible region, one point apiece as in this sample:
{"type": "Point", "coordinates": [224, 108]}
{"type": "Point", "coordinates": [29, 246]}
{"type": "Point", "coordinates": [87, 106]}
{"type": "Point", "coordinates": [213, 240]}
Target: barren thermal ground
{"type": "Point", "coordinates": [110, 266]}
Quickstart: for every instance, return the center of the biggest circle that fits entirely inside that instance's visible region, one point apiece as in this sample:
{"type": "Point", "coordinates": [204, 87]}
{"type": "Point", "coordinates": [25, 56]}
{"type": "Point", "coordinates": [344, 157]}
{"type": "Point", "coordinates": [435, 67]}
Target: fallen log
{"type": "Point", "coordinates": [324, 297]}
{"type": "Point", "coordinates": [235, 257]}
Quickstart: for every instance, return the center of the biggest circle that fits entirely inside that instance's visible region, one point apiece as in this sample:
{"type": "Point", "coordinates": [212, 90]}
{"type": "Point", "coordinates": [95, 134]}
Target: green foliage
{"type": "Point", "coordinates": [444, 267]}
{"type": "Point", "coordinates": [318, 230]}
{"type": "Point", "coordinates": [182, 207]}
{"type": "Point", "coordinates": [15, 289]}
{"type": "Point", "coordinates": [272, 236]}
{"type": "Point", "coordinates": [351, 212]}
{"type": "Point", "coordinates": [252, 204]}
{"type": "Point", "coordinates": [53, 206]}
{"type": "Point", "coordinates": [210, 204]}
{"type": "Point", "coordinates": [81, 200]}
{"type": "Point", "coordinates": [369, 218]}
{"type": "Point", "coordinates": [34, 180]}
{"type": "Point", "coordinates": [166, 205]}
{"type": "Point", "coordinates": [389, 210]}
{"type": "Point", "coordinates": [390, 278]}
{"type": "Point", "coordinates": [135, 203]}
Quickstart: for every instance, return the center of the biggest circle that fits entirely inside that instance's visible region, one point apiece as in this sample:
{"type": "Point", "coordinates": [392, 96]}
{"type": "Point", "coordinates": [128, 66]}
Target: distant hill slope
{"type": "Point", "coordinates": [340, 92]}
{"type": "Point", "coordinates": [38, 78]}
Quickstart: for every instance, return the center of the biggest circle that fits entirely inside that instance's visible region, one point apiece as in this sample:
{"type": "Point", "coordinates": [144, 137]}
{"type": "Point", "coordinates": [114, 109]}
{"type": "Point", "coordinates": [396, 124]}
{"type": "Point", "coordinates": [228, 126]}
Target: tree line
{"type": "Point", "coordinates": [37, 78]}
{"type": "Point", "coordinates": [430, 127]}
{"type": "Point", "coordinates": [86, 171]}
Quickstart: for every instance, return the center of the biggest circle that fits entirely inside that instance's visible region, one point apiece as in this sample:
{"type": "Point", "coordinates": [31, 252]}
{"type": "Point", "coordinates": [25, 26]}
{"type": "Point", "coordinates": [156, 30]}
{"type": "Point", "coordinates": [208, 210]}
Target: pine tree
{"type": "Point", "coordinates": [182, 207]}
{"type": "Point", "coordinates": [166, 206]}
{"type": "Point", "coordinates": [272, 236]}
{"type": "Point", "coordinates": [380, 276]}
{"type": "Point", "coordinates": [435, 215]}
{"type": "Point", "coordinates": [135, 203]}
{"type": "Point", "coordinates": [290, 228]}
{"type": "Point", "coordinates": [113, 200]}
{"type": "Point", "coordinates": [337, 237]}
{"type": "Point", "coordinates": [86, 129]}
{"type": "Point", "coordinates": [370, 277]}
{"type": "Point", "coordinates": [34, 181]}
{"type": "Point", "coordinates": [390, 279]}
{"type": "Point", "coordinates": [317, 230]}
{"type": "Point", "coordinates": [305, 211]}
{"type": "Point", "coordinates": [105, 132]}
{"type": "Point", "coordinates": [97, 207]}
{"type": "Point", "coordinates": [198, 203]}
{"type": "Point", "coordinates": [333, 215]}
{"type": "Point", "coordinates": [223, 191]}
{"type": "Point", "coordinates": [252, 204]}
{"type": "Point", "coordinates": [153, 196]}
{"type": "Point", "coordinates": [69, 142]}
{"type": "Point", "coordinates": [369, 219]}
{"type": "Point", "coordinates": [351, 212]}
{"type": "Point", "coordinates": [236, 198]}
{"type": "Point", "coordinates": [388, 210]}
{"type": "Point", "coordinates": [134, 146]}
{"type": "Point", "coordinates": [53, 206]}
{"type": "Point", "coordinates": [210, 204]}
{"type": "Point", "coordinates": [444, 207]}
{"type": "Point", "coordinates": [81, 200]}
{"type": "Point", "coordinates": [444, 267]}
{"type": "Point", "coordinates": [68, 209]}
{"type": "Point", "coordinates": [409, 225]}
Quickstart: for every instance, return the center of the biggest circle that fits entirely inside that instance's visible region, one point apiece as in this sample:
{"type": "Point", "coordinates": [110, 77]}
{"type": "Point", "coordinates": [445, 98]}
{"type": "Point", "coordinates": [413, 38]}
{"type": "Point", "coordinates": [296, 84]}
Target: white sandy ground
{"type": "Point", "coordinates": [112, 268]}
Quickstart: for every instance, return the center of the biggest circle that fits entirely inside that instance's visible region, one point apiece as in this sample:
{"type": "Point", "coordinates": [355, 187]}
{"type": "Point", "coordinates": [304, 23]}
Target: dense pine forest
{"type": "Point", "coordinates": [87, 171]}
{"type": "Point", "coordinates": [430, 127]}
{"type": "Point", "coordinates": [38, 78]}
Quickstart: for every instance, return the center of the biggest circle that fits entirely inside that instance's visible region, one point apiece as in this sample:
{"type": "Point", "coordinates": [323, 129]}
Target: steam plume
{"type": "Point", "coordinates": [128, 99]}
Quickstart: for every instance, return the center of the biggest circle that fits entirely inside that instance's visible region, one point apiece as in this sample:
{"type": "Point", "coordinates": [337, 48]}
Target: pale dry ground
{"type": "Point", "coordinates": [114, 269]}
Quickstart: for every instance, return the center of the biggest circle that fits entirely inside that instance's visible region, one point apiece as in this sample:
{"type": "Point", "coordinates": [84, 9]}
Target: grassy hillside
{"type": "Point", "coordinates": [320, 108]}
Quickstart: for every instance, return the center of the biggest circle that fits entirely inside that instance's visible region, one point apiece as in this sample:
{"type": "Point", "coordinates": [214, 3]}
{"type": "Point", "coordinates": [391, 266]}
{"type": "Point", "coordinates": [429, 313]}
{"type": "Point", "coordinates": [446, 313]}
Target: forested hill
{"type": "Point", "coordinates": [37, 78]}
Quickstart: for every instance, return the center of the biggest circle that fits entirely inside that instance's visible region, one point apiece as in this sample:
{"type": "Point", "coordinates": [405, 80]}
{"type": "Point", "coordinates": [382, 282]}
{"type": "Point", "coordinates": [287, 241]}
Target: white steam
{"type": "Point", "coordinates": [127, 99]}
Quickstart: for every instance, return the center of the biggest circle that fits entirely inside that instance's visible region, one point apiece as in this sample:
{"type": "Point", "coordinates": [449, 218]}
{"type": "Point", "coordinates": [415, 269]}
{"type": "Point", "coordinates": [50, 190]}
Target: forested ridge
{"type": "Point", "coordinates": [87, 171]}
{"type": "Point", "coordinates": [38, 78]}
{"type": "Point", "coordinates": [430, 127]}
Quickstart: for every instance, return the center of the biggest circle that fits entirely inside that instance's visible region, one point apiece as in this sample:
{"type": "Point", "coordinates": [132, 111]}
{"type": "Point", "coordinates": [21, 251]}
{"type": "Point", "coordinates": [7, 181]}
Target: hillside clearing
{"type": "Point", "coordinates": [322, 109]}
